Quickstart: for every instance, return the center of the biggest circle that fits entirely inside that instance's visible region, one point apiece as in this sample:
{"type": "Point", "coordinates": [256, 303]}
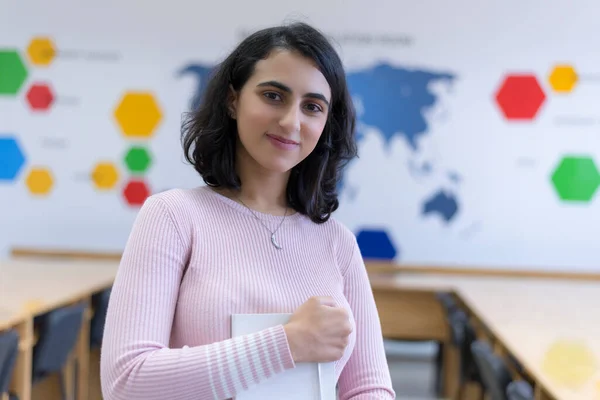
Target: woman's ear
{"type": "Point", "coordinates": [232, 102]}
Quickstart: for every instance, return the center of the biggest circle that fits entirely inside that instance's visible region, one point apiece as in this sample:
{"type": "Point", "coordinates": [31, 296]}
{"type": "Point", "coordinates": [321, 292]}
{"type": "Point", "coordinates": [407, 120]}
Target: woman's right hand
{"type": "Point", "coordinates": [318, 331]}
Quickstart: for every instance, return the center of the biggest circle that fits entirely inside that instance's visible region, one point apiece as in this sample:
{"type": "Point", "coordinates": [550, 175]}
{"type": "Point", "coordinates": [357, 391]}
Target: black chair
{"type": "Point", "coordinates": [100, 306]}
{"type": "Point", "coordinates": [519, 390]}
{"type": "Point", "coordinates": [9, 348]}
{"type": "Point", "coordinates": [462, 334]}
{"type": "Point", "coordinates": [447, 301]}
{"type": "Point", "coordinates": [465, 335]}
{"type": "Point", "coordinates": [492, 369]}
{"type": "Point", "coordinates": [449, 304]}
{"type": "Point", "coordinates": [58, 333]}
{"type": "Point", "coordinates": [439, 366]}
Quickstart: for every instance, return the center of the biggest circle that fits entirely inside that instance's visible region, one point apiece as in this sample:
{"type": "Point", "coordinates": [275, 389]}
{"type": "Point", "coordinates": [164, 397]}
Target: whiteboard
{"type": "Point", "coordinates": [446, 176]}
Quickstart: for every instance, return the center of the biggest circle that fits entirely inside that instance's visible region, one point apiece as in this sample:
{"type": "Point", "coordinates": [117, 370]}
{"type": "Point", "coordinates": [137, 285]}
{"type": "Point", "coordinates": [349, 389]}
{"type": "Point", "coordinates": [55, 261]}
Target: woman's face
{"type": "Point", "coordinates": [281, 111]}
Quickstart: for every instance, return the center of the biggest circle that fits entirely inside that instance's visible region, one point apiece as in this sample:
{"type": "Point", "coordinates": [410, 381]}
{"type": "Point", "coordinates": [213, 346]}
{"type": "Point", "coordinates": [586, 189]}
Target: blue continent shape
{"type": "Point", "coordinates": [454, 176]}
{"type": "Point", "coordinates": [394, 99]}
{"type": "Point", "coordinates": [442, 203]}
{"type": "Point", "coordinates": [200, 73]}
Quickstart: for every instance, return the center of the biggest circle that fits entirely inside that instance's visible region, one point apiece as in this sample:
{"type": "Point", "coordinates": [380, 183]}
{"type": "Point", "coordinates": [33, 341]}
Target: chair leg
{"type": "Point", "coordinates": [439, 364]}
{"type": "Point", "coordinates": [76, 378]}
{"type": "Point", "coordinates": [460, 391]}
{"type": "Point", "coordinates": [63, 391]}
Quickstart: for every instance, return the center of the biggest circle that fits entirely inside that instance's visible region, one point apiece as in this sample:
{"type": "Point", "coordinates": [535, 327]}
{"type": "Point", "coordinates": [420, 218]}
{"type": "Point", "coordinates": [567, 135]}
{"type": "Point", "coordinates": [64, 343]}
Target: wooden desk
{"type": "Point", "coordinates": [526, 317]}
{"type": "Point", "coordinates": [411, 311]}
{"type": "Point", "coordinates": [31, 287]}
{"type": "Point", "coordinates": [10, 319]}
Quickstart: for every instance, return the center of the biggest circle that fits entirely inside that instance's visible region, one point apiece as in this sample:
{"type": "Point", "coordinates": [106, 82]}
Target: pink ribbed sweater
{"type": "Point", "coordinates": [193, 258]}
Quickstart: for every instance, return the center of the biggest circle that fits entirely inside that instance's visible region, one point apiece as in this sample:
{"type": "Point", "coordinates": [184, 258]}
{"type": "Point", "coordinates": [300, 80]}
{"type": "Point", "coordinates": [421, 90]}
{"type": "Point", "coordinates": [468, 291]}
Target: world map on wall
{"type": "Point", "coordinates": [404, 136]}
{"type": "Point", "coordinates": [392, 100]}
{"type": "Point", "coordinates": [399, 114]}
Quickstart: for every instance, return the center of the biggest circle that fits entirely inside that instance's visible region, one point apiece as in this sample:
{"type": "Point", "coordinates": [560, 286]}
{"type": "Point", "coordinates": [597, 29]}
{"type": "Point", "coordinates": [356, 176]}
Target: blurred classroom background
{"type": "Point", "coordinates": [474, 200]}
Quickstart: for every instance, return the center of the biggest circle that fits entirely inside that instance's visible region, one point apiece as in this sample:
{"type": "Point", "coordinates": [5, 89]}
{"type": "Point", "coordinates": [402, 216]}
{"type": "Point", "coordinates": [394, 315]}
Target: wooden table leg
{"type": "Point", "coordinates": [83, 354]}
{"type": "Point", "coordinates": [21, 380]}
{"type": "Point", "coordinates": [451, 371]}
{"type": "Point", "coordinates": [69, 377]}
{"type": "Point", "coordinates": [540, 393]}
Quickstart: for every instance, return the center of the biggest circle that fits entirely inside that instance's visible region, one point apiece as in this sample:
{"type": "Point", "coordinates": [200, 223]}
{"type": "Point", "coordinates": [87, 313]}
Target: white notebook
{"type": "Point", "coordinates": [308, 381]}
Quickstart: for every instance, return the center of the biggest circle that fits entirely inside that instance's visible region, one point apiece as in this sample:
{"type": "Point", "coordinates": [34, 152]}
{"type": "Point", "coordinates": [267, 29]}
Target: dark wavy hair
{"type": "Point", "coordinates": [209, 134]}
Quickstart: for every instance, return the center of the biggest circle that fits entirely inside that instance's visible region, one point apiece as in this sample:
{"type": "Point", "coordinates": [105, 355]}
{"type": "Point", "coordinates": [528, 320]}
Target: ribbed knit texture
{"type": "Point", "coordinates": [193, 258]}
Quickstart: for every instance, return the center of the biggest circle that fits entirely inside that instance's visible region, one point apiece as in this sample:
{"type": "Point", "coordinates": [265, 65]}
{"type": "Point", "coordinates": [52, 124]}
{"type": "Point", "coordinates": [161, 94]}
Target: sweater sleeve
{"type": "Point", "coordinates": [136, 361]}
{"type": "Point", "coordinates": [366, 375]}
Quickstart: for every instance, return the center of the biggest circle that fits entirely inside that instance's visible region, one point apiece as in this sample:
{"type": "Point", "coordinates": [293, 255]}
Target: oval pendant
{"type": "Point", "coordinates": [277, 246]}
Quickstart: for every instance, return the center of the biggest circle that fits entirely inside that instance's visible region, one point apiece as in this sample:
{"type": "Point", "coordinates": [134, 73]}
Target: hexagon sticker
{"type": "Point", "coordinates": [138, 114]}
{"type": "Point", "coordinates": [11, 158]}
{"type": "Point", "coordinates": [376, 244]}
{"type": "Point", "coordinates": [105, 176]}
{"type": "Point", "coordinates": [39, 181]}
{"type": "Point", "coordinates": [13, 73]}
{"type": "Point", "coordinates": [40, 97]}
{"type": "Point", "coordinates": [136, 192]}
{"type": "Point", "coordinates": [520, 97]}
{"type": "Point", "coordinates": [576, 178]}
{"type": "Point", "coordinates": [563, 78]}
{"type": "Point", "coordinates": [41, 51]}
{"type": "Point", "coordinates": [138, 159]}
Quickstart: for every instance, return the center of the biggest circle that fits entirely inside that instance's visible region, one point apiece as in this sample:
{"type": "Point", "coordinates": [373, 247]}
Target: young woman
{"type": "Point", "coordinates": [274, 130]}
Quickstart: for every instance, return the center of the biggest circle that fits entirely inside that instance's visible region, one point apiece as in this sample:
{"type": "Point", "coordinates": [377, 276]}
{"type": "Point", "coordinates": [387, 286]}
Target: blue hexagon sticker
{"type": "Point", "coordinates": [376, 244]}
{"type": "Point", "coordinates": [11, 158]}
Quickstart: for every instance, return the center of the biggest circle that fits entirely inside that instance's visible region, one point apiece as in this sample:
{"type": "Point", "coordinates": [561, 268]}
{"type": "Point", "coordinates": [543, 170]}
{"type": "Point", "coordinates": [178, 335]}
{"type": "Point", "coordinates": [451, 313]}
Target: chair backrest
{"type": "Point", "coordinates": [492, 369]}
{"type": "Point", "coordinates": [100, 305]}
{"type": "Point", "coordinates": [9, 348]}
{"type": "Point", "coordinates": [457, 321]}
{"type": "Point", "coordinates": [468, 369]}
{"type": "Point", "coordinates": [455, 317]}
{"type": "Point", "coordinates": [519, 390]}
{"type": "Point", "coordinates": [58, 333]}
{"type": "Point", "coordinates": [447, 301]}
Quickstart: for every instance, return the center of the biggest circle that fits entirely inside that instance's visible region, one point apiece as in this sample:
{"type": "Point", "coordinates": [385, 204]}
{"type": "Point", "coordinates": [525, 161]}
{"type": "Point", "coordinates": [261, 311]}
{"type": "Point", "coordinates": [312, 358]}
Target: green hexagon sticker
{"type": "Point", "coordinates": [13, 72]}
{"type": "Point", "coordinates": [576, 178]}
{"type": "Point", "coordinates": [138, 159]}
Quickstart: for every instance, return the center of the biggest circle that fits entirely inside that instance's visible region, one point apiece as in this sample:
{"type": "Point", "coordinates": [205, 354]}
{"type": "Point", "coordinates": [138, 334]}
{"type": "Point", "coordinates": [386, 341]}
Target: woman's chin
{"type": "Point", "coordinates": [277, 165]}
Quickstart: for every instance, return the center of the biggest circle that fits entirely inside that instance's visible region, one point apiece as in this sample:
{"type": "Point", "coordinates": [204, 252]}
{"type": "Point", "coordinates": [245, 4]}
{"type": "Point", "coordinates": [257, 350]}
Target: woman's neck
{"type": "Point", "coordinates": [263, 194]}
{"type": "Point", "coordinates": [262, 190]}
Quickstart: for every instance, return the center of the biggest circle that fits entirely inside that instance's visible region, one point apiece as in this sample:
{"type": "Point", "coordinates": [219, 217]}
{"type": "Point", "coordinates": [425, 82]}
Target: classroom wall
{"type": "Point", "coordinates": [479, 124]}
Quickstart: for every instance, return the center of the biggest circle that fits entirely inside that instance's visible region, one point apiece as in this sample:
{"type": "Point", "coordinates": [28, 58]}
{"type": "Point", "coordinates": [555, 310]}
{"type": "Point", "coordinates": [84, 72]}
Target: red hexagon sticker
{"type": "Point", "coordinates": [40, 97]}
{"type": "Point", "coordinates": [136, 192]}
{"type": "Point", "coordinates": [520, 97]}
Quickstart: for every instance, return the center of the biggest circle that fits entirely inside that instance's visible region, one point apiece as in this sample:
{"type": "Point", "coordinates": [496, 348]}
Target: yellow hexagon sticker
{"type": "Point", "coordinates": [563, 78]}
{"type": "Point", "coordinates": [39, 181]}
{"type": "Point", "coordinates": [41, 51]}
{"type": "Point", "coordinates": [105, 175]}
{"type": "Point", "coordinates": [138, 114]}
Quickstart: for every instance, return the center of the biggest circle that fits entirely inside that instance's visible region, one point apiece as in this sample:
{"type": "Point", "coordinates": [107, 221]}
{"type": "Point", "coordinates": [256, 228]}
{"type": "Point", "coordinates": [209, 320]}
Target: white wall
{"type": "Point", "coordinates": [509, 213]}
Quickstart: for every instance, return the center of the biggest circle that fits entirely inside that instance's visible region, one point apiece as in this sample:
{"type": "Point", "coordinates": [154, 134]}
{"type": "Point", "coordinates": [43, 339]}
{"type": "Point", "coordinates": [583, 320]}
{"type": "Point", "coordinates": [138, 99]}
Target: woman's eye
{"type": "Point", "coordinates": [314, 107]}
{"type": "Point", "coordinates": [272, 96]}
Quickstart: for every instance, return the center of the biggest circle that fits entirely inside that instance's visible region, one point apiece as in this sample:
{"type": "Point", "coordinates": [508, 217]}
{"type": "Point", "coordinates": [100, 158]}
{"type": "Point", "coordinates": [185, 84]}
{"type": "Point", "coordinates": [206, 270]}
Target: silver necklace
{"type": "Point", "coordinates": [273, 240]}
